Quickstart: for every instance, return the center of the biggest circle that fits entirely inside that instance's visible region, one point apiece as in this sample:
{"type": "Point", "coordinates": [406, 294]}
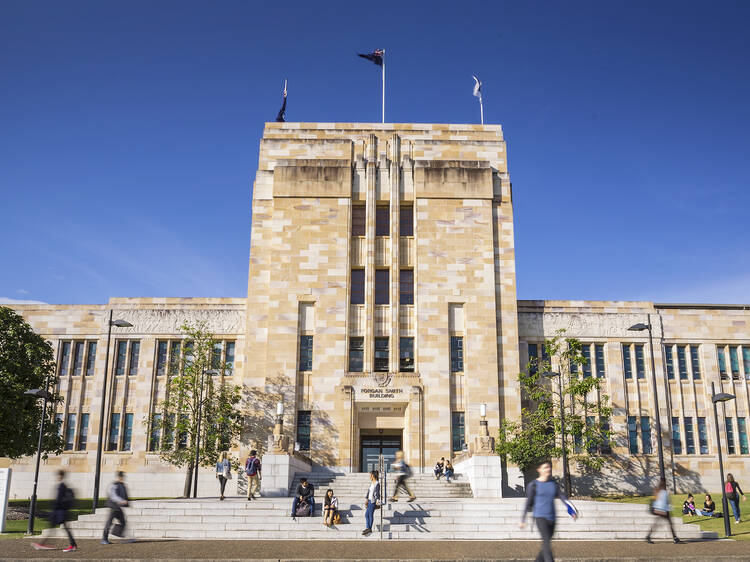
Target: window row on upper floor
{"type": "Point", "coordinates": [382, 220]}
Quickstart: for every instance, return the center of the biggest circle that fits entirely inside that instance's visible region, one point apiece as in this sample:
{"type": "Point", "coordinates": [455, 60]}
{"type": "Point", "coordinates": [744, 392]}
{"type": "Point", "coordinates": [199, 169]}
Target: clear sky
{"type": "Point", "coordinates": [129, 134]}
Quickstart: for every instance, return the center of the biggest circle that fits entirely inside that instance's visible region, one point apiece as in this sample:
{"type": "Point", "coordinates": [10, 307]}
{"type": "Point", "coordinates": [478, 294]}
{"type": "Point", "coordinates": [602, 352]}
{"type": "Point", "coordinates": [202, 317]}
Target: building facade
{"type": "Point", "coordinates": [382, 312]}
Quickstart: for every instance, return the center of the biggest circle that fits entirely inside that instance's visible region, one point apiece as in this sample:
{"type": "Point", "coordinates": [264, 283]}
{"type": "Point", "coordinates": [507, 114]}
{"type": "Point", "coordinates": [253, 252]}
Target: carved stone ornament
{"type": "Point", "coordinates": [169, 320]}
{"type": "Point", "coordinates": [383, 379]}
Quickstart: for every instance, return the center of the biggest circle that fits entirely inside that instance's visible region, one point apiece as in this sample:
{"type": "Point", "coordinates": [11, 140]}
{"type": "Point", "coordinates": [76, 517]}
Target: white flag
{"type": "Point", "coordinates": [477, 88]}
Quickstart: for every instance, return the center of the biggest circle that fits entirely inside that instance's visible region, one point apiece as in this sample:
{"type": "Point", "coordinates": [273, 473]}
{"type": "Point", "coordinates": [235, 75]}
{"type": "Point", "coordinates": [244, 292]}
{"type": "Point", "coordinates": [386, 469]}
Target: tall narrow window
{"type": "Point", "coordinates": [599, 356]}
{"type": "Point", "coordinates": [702, 436]}
{"type": "Point", "coordinates": [91, 359]}
{"type": "Point", "coordinates": [676, 440]}
{"type": "Point", "coordinates": [626, 362]}
{"type": "Point", "coordinates": [382, 221]}
{"type": "Point", "coordinates": [406, 220]}
{"type": "Point", "coordinates": [406, 355]}
{"type": "Point", "coordinates": [590, 443]}
{"type": "Point", "coordinates": [457, 354]}
{"type": "Point", "coordinates": [358, 286]}
{"type": "Point", "coordinates": [161, 358]}
{"type": "Point", "coordinates": [305, 353]}
{"type": "Point", "coordinates": [682, 362]}
{"type": "Point", "coordinates": [606, 447]}
{"type": "Point", "coordinates": [78, 359]}
{"type": "Point", "coordinates": [135, 351]}
{"type": "Point", "coordinates": [122, 354]}
{"type": "Point", "coordinates": [114, 432]}
{"type": "Point", "coordinates": [646, 434]}
{"type": "Point", "coordinates": [65, 359]}
{"type": "Point", "coordinates": [695, 362]}
{"type": "Point", "coordinates": [182, 434]}
{"type": "Point", "coordinates": [127, 438]}
{"type": "Point", "coordinates": [406, 286]}
{"type": "Point", "coordinates": [722, 362]}
{"type": "Point", "coordinates": [746, 360]}
{"type": "Point", "coordinates": [356, 354]}
{"type": "Point", "coordinates": [689, 438]}
{"type": "Point", "coordinates": [216, 353]}
{"type": "Point", "coordinates": [742, 431]}
{"type": "Point", "coordinates": [153, 442]}
{"type": "Point", "coordinates": [303, 429]}
{"type": "Point", "coordinates": [83, 433]}
{"type": "Point", "coordinates": [382, 287]}
{"type": "Point", "coordinates": [229, 361]}
{"type": "Point", "coordinates": [458, 431]}
{"type": "Point", "coordinates": [174, 358]}
{"type": "Point", "coordinates": [169, 425]}
{"type": "Point", "coordinates": [359, 220]}
{"type": "Point", "coordinates": [669, 361]}
{"type": "Point", "coordinates": [70, 432]}
{"type": "Point", "coordinates": [640, 366]}
{"type": "Point", "coordinates": [533, 360]}
{"type": "Point", "coordinates": [734, 361]}
{"type": "Point", "coordinates": [632, 435]}
{"type": "Point", "coordinates": [730, 435]}
{"type": "Point", "coordinates": [586, 352]}
{"type": "Point", "coordinates": [381, 355]}
{"type": "Point", "coordinates": [59, 423]}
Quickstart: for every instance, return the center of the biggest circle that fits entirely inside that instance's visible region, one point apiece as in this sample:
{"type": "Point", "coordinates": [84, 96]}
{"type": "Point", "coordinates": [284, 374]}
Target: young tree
{"type": "Point", "coordinates": [27, 361]}
{"type": "Point", "coordinates": [198, 417]}
{"type": "Point", "coordinates": [558, 392]}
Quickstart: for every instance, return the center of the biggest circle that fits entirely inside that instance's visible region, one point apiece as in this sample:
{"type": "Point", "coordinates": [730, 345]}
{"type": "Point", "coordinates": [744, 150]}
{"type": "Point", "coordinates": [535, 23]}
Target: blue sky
{"type": "Point", "coordinates": [130, 133]}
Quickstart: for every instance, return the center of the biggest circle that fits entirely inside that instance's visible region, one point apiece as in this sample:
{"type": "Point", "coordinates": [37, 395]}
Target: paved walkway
{"type": "Point", "coordinates": [386, 550]}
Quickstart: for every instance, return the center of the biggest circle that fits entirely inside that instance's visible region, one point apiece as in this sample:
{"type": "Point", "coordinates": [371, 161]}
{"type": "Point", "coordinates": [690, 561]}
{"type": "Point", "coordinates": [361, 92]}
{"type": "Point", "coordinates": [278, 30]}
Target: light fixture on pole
{"type": "Point", "coordinates": [639, 328]}
{"type": "Point", "coordinates": [716, 398]}
{"type": "Point", "coordinates": [280, 441]}
{"type": "Point", "coordinates": [561, 397]}
{"type": "Point", "coordinates": [99, 444]}
{"type": "Point", "coordinates": [44, 395]}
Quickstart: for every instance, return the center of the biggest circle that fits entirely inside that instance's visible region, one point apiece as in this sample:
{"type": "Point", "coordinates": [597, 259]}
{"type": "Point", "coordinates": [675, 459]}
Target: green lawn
{"type": "Point", "coordinates": [740, 531]}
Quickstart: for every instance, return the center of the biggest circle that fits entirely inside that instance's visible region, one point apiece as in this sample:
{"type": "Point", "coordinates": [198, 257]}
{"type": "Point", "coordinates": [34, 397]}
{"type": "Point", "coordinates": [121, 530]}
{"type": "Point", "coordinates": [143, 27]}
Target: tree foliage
{"type": "Point", "coordinates": [26, 360]}
{"type": "Point", "coordinates": [586, 412]}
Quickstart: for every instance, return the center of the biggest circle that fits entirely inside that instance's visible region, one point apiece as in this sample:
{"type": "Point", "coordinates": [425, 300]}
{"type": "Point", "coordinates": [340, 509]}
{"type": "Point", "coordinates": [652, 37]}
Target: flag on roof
{"type": "Point", "coordinates": [477, 88]}
{"type": "Point", "coordinates": [376, 56]}
{"type": "Point", "coordinates": [282, 112]}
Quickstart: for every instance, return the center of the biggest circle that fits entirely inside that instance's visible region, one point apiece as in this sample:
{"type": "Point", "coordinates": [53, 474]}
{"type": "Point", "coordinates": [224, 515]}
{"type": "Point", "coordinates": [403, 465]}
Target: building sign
{"type": "Point", "coordinates": [381, 393]}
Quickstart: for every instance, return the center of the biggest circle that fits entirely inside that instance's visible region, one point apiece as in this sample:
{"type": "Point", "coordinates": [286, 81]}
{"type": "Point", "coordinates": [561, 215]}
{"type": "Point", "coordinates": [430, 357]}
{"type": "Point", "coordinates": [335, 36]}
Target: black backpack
{"type": "Point", "coordinates": [68, 498]}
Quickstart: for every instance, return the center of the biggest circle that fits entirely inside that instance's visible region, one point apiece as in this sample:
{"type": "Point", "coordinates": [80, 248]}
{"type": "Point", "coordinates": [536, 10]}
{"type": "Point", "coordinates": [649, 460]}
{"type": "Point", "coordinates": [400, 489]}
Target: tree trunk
{"type": "Point", "coordinates": [188, 480]}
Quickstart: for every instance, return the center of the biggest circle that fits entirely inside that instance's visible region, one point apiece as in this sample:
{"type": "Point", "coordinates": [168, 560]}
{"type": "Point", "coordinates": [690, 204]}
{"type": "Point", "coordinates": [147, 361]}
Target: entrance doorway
{"type": "Point", "coordinates": [373, 446]}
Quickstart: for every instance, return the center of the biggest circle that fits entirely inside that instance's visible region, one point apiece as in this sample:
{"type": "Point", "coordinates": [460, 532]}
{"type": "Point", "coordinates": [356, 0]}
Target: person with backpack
{"type": "Point", "coordinates": [117, 498]}
{"type": "Point", "coordinates": [59, 516]}
{"type": "Point", "coordinates": [661, 509]}
{"type": "Point", "coordinates": [372, 501]}
{"type": "Point", "coordinates": [540, 499]}
{"type": "Point", "coordinates": [403, 473]}
{"type": "Point", "coordinates": [733, 491]}
{"type": "Point", "coordinates": [304, 500]}
{"type": "Point", "coordinates": [252, 471]}
{"type": "Point", "coordinates": [331, 515]}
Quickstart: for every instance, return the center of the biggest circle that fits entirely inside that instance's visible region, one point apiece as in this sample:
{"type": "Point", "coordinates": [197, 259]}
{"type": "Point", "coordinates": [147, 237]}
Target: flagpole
{"type": "Point", "coordinates": [481, 110]}
{"type": "Point", "coordinates": [383, 85]}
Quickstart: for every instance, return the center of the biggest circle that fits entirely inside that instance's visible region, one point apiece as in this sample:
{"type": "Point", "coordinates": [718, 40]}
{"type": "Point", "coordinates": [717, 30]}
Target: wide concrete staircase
{"type": "Point", "coordinates": [355, 485]}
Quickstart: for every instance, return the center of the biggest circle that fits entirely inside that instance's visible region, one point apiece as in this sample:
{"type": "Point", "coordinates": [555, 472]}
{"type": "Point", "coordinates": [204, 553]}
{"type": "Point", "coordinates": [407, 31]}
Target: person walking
{"type": "Point", "coordinates": [59, 516]}
{"type": "Point", "coordinates": [223, 473]}
{"type": "Point", "coordinates": [733, 491]}
{"type": "Point", "coordinates": [661, 509]}
{"type": "Point", "coordinates": [305, 493]}
{"type": "Point", "coordinates": [540, 499]}
{"type": "Point", "coordinates": [403, 473]}
{"type": "Point", "coordinates": [252, 471]}
{"type": "Point", "coordinates": [448, 470]}
{"type": "Point", "coordinates": [330, 508]}
{"type": "Point", "coordinates": [372, 501]}
{"type": "Point", "coordinates": [117, 498]}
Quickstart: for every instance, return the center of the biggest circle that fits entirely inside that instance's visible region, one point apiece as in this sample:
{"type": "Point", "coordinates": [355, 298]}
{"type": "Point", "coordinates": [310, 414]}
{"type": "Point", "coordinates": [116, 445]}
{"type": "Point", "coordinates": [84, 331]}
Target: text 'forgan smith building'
{"type": "Point", "coordinates": [382, 307]}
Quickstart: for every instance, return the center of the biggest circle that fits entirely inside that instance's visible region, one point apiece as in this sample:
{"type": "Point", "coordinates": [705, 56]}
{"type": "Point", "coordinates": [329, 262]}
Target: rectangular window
{"type": "Point", "coordinates": [381, 355]}
{"type": "Point", "coordinates": [406, 286]}
{"type": "Point", "coordinates": [359, 220]}
{"type": "Point", "coordinates": [746, 360]}
{"type": "Point", "coordinates": [135, 350]}
{"type": "Point", "coordinates": [169, 426]}
{"type": "Point", "coordinates": [114, 432]}
{"type": "Point", "coordinates": [83, 434]}
{"type": "Point", "coordinates": [406, 355]}
{"type": "Point", "coordinates": [182, 436]}
{"type": "Point", "coordinates": [586, 352]}
{"type": "Point", "coordinates": [122, 354]}
{"type": "Point", "coordinates": [358, 286]}
{"type": "Point", "coordinates": [669, 361]}
{"type": "Point", "coordinates": [174, 358]}
{"type": "Point", "coordinates": [702, 436]}
{"type": "Point", "coordinates": [606, 442]}
{"type": "Point", "coordinates": [78, 359]}
{"type": "Point", "coordinates": [216, 353]}
{"type": "Point", "coordinates": [91, 359]}
{"type": "Point", "coordinates": [458, 431]}
{"type": "Point", "coordinates": [640, 366]}
{"type": "Point", "coordinates": [457, 354]}
{"type": "Point", "coordinates": [599, 356]}
{"type": "Point", "coordinates": [356, 354]}
{"type": "Point", "coordinates": [59, 424]}
{"type": "Point", "coordinates": [734, 361]}
{"type": "Point", "coordinates": [153, 442]}
{"type": "Point", "coordinates": [632, 435]}
{"type": "Point", "coordinates": [70, 432]}
{"type": "Point", "coordinates": [695, 362]}
{"type": "Point", "coordinates": [382, 221]}
{"type": "Point", "coordinates": [722, 362]}
{"type": "Point", "coordinates": [730, 435]}
{"type": "Point", "coordinates": [229, 361]}
{"type": "Point", "coordinates": [533, 358]}
{"type": "Point", "coordinates": [682, 362]}
{"type": "Point", "coordinates": [742, 430]}
{"type": "Point", "coordinates": [689, 437]}
{"type": "Point", "coordinates": [305, 353]}
{"type": "Point", "coordinates": [676, 440]}
{"type": "Point", "coordinates": [590, 443]}
{"type": "Point", "coordinates": [127, 438]}
{"type": "Point", "coordinates": [406, 220]}
{"type": "Point", "coordinates": [65, 359]}
{"type": "Point", "coordinates": [303, 429]}
{"type": "Point", "coordinates": [382, 286]}
{"type": "Point", "coordinates": [646, 434]}
{"type": "Point", "coordinates": [161, 358]}
{"type": "Point", "coordinates": [626, 362]}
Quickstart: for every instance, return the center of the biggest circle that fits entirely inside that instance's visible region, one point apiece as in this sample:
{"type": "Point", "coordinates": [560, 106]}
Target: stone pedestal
{"type": "Point", "coordinates": [485, 474]}
{"type": "Point", "coordinates": [278, 471]}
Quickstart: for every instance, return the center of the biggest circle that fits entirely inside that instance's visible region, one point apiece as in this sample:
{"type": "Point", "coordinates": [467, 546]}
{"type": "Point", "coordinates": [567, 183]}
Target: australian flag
{"type": "Point", "coordinates": [376, 56]}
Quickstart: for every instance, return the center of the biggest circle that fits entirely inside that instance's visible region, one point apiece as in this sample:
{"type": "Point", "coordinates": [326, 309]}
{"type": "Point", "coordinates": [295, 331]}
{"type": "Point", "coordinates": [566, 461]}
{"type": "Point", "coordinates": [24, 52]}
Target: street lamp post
{"type": "Point", "coordinates": [566, 472]}
{"type": "Point", "coordinates": [198, 435]}
{"type": "Point", "coordinates": [639, 328]}
{"type": "Point", "coordinates": [99, 444]}
{"type": "Point", "coordinates": [44, 394]}
{"type": "Point", "coordinates": [716, 398]}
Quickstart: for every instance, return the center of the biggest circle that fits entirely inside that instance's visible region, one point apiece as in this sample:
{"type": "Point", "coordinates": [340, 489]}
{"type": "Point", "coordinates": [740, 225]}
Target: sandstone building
{"type": "Point", "coordinates": [382, 310]}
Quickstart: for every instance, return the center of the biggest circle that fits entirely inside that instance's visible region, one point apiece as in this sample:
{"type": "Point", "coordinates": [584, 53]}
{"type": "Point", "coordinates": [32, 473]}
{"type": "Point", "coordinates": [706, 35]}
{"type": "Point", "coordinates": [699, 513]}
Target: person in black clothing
{"type": "Point", "coordinates": [59, 515]}
{"type": "Point", "coordinates": [709, 506]}
{"type": "Point", "coordinates": [304, 493]}
{"type": "Point", "coordinates": [117, 496]}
